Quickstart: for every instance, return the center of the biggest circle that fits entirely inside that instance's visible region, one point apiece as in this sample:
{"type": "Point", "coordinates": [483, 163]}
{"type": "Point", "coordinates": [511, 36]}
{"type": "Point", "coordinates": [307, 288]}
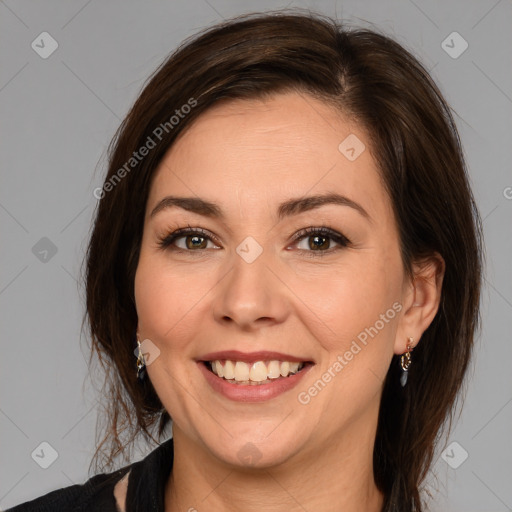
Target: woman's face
{"type": "Point", "coordinates": [260, 296]}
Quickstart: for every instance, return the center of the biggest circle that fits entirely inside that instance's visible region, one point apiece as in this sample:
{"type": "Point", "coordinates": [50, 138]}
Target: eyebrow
{"type": "Point", "coordinates": [286, 209]}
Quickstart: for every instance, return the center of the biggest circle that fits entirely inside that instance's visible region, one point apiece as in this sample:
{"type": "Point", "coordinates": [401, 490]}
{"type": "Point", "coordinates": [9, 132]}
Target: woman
{"type": "Point", "coordinates": [287, 241]}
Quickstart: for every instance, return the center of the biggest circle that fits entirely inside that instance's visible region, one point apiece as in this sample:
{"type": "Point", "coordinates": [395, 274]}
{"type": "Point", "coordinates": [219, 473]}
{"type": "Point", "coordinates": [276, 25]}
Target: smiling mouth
{"type": "Point", "coordinates": [254, 374]}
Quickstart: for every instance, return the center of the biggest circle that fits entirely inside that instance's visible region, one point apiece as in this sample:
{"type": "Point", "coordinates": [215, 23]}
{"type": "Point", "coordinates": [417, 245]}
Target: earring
{"type": "Point", "coordinates": [405, 362]}
{"type": "Point", "coordinates": [141, 363]}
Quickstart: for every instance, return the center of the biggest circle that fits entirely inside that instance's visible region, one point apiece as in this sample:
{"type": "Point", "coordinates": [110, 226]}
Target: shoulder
{"type": "Point", "coordinates": [96, 494]}
{"type": "Point", "coordinates": [143, 489]}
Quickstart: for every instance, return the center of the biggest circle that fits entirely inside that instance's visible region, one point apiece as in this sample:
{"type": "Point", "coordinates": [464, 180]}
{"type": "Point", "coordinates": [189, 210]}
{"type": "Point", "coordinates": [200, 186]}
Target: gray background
{"type": "Point", "coordinates": [58, 115]}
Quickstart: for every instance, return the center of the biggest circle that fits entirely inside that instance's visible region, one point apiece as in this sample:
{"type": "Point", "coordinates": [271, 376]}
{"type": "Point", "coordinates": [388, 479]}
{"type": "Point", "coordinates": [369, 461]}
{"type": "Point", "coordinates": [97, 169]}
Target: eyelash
{"type": "Point", "coordinates": [166, 241]}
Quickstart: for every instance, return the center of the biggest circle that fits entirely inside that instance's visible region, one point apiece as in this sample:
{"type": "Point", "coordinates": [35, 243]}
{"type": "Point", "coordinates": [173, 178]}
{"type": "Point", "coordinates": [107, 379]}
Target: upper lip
{"type": "Point", "coordinates": [251, 357]}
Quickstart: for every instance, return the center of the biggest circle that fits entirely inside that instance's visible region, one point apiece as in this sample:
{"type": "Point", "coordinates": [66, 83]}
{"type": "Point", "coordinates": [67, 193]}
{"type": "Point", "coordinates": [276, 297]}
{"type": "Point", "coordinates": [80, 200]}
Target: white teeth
{"type": "Point", "coordinates": [218, 369]}
{"type": "Point", "coordinates": [274, 370]}
{"type": "Point", "coordinates": [229, 370]}
{"type": "Point", "coordinates": [242, 371]}
{"type": "Point", "coordinates": [259, 371]}
{"type": "Point", "coordinates": [294, 367]}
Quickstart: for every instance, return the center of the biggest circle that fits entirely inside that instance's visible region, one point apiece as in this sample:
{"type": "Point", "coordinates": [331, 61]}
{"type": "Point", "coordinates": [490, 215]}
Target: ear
{"type": "Point", "coordinates": [420, 300]}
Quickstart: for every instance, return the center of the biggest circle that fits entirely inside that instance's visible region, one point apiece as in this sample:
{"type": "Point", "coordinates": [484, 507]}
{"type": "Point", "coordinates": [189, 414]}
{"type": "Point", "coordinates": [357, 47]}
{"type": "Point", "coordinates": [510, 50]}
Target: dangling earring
{"type": "Point", "coordinates": [141, 363]}
{"type": "Point", "coordinates": [405, 362]}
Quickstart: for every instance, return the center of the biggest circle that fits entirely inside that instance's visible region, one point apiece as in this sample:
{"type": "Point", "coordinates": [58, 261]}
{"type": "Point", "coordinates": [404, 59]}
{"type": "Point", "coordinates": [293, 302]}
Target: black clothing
{"type": "Point", "coordinates": [145, 493]}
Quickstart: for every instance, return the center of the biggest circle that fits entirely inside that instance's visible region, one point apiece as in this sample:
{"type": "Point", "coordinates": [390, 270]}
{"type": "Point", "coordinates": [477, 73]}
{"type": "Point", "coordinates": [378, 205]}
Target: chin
{"type": "Point", "coordinates": [253, 452]}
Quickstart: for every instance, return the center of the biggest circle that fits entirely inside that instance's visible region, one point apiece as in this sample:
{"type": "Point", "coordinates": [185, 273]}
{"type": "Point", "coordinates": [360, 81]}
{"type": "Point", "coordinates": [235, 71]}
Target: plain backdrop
{"type": "Point", "coordinates": [60, 111]}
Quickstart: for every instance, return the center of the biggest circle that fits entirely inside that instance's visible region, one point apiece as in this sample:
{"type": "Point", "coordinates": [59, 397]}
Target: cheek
{"type": "Point", "coordinates": [358, 308]}
{"type": "Point", "coordinates": [153, 299]}
{"type": "Point", "coordinates": [168, 300]}
{"type": "Point", "coordinates": [351, 298]}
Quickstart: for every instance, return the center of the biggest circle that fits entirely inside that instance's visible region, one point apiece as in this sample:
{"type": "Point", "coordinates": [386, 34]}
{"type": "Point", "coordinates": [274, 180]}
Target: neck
{"type": "Point", "coordinates": [339, 477]}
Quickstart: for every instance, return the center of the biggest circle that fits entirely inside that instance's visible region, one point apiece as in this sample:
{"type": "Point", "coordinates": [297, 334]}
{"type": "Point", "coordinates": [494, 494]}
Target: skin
{"type": "Point", "coordinates": [248, 156]}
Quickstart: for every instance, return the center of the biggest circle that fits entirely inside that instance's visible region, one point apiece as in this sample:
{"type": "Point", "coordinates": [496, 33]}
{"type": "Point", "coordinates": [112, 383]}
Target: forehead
{"type": "Point", "coordinates": [250, 153]}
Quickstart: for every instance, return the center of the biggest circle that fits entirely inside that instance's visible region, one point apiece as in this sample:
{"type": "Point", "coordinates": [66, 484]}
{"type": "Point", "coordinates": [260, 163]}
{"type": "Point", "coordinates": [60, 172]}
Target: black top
{"type": "Point", "coordinates": [145, 493]}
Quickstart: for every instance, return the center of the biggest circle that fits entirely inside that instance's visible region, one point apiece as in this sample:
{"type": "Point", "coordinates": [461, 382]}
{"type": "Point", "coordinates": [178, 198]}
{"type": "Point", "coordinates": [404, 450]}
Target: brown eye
{"type": "Point", "coordinates": [194, 241]}
{"type": "Point", "coordinates": [187, 240]}
{"type": "Point", "coordinates": [319, 240]}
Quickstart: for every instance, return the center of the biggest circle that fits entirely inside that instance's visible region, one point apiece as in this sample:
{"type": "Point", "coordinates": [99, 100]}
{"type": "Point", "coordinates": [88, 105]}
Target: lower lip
{"type": "Point", "coordinates": [252, 393]}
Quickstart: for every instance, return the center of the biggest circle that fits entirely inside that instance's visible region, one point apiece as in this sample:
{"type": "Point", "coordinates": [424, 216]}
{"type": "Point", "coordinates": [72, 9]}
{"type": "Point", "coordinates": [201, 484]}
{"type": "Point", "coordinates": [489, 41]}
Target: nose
{"type": "Point", "coordinates": [251, 295]}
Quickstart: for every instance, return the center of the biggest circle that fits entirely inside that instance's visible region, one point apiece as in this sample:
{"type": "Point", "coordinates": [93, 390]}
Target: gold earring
{"type": "Point", "coordinates": [405, 362]}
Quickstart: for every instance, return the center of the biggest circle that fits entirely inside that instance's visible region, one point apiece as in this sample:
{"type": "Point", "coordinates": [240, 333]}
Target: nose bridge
{"type": "Point", "coordinates": [251, 291]}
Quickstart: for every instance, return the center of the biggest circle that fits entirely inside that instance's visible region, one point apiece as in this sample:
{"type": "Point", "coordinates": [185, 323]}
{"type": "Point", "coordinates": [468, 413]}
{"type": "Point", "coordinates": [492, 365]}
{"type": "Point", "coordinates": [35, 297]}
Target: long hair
{"type": "Point", "coordinates": [373, 80]}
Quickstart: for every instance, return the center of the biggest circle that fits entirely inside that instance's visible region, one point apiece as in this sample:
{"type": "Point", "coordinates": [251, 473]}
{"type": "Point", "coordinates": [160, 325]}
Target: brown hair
{"type": "Point", "coordinates": [373, 80]}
